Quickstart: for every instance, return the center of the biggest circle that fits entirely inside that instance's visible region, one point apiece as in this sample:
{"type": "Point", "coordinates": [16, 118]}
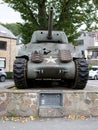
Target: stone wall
{"type": "Point", "coordinates": [26, 103]}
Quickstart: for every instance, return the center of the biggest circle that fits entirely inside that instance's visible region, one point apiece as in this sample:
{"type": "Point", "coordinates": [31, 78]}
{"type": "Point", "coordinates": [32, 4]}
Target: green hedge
{"type": "Point", "coordinates": [9, 75]}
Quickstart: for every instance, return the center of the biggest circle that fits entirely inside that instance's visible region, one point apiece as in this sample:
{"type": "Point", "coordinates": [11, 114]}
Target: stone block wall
{"type": "Point", "coordinates": [26, 103]}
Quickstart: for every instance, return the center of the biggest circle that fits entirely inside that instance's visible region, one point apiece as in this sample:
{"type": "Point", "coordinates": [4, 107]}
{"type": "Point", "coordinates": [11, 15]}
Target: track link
{"type": "Point", "coordinates": [81, 76]}
{"type": "Point", "coordinates": [20, 73]}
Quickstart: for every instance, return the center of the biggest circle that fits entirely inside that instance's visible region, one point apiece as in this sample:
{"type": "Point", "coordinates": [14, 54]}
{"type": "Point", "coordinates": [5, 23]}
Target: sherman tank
{"type": "Point", "coordinates": [48, 59]}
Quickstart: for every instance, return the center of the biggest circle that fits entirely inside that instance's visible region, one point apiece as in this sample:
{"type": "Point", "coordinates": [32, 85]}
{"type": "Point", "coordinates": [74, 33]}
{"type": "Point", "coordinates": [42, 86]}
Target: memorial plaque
{"type": "Point", "coordinates": [50, 99]}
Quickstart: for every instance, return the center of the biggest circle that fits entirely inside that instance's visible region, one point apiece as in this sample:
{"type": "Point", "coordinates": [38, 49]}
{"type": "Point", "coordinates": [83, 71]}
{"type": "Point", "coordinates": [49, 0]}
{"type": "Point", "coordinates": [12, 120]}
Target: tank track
{"type": "Point", "coordinates": [81, 76]}
{"type": "Point", "coordinates": [19, 73]}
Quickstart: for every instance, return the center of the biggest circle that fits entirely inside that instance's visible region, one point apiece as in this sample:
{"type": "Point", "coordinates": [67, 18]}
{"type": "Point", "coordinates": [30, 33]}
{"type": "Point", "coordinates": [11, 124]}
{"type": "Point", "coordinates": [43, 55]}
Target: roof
{"type": "Point", "coordinates": [4, 32]}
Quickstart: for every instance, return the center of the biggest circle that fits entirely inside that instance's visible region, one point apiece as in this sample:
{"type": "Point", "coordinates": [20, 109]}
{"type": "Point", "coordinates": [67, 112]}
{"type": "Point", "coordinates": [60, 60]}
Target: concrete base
{"type": "Point", "coordinates": [27, 103]}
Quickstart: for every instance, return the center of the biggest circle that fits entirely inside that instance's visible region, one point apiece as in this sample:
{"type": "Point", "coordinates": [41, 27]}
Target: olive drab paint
{"type": "Point", "coordinates": [47, 58]}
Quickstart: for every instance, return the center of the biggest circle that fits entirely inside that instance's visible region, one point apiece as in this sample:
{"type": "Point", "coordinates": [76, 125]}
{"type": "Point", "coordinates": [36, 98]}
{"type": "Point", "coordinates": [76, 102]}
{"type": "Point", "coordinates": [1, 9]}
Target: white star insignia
{"type": "Point", "coordinates": [51, 59]}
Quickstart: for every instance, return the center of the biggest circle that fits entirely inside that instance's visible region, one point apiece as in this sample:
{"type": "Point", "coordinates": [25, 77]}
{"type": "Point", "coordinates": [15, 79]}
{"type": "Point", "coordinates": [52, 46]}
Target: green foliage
{"type": "Point", "coordinates": [9, 75]}
{"type": "Point", "coordinates": [89, 66]}
{"type": "Point", "coordinates": [96, 3]}
{"type": "Point", "coordinates": [27, 30]}
{"type": "Point", "coordinates": [69, 15]}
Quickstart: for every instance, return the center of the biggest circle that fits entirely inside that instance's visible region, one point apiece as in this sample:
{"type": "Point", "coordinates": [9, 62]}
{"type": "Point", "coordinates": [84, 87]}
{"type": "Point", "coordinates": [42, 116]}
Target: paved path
{"type": "Point", "coordinates": [51, 124]}
{"type": "Point", "coordinates": [6, 84]}
{"type": "Point", "coordinates": [92, 85]}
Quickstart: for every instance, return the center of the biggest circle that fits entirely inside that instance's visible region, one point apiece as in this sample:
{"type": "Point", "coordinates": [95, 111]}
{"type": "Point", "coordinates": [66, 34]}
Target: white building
{"type": "Point", "coordinates": [88, 42]}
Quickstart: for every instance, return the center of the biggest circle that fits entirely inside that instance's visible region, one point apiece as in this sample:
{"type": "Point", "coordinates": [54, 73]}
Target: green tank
{"type": "Point", "coordinates": [48, 59]}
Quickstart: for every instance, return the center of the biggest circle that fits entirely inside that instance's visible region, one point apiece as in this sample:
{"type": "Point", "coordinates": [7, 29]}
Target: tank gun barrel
{"type": "Point", "coordinates": [50, 23]}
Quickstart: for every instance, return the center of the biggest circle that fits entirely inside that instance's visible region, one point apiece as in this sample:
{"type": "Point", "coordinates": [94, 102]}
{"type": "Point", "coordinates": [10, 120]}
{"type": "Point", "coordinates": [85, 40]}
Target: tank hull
{"type": "Point", "coordinates": [51, 71]}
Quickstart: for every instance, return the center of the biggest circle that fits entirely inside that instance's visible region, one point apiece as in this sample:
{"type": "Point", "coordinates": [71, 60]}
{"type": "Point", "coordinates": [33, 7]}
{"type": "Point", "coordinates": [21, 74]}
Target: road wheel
{"type": "Point", "coordinates": [2, 78]}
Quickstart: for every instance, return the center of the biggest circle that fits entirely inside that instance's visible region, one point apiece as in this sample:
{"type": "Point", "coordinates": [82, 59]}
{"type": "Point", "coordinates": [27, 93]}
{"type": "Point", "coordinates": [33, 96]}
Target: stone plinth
{"type": "Point", "coordinates": [27, 103]}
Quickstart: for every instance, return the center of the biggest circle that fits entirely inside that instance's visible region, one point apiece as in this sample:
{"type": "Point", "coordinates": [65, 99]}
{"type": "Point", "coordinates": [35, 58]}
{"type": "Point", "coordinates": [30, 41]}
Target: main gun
{"type": "Point", "coordinates": [50, 23]}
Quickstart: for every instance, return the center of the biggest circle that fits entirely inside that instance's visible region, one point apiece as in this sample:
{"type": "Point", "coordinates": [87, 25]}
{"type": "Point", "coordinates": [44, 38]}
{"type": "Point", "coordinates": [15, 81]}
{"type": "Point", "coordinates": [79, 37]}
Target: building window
{"type": "Point", "coordinates": [3, 45]}
{"type": "Point", "coordinates": [2, 62]}
{"type": "Point", "coordinates": [95, 54]}
{"type": "Point", "coordinates": [80, 42]}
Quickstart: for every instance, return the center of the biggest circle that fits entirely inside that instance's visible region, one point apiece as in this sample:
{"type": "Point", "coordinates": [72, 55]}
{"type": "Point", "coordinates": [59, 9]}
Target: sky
{"type": "Point", "coordinates": [8, 15]}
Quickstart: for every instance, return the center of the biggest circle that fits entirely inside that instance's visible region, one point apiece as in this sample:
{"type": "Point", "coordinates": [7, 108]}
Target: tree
{"type": "Point", "coordinates": [69, 15]}
{"type": "Point", "coordinates": [96, 3]}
